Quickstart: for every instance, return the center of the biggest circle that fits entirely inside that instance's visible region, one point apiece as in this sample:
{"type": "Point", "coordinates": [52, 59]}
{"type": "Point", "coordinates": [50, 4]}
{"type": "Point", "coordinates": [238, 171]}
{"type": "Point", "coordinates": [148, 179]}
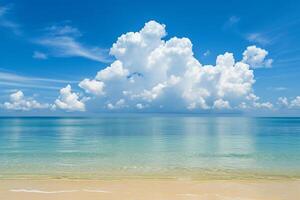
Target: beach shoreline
{"type": "Point", "coordinates": [144, 189]}
{"type": "Point", "coordinates": [155, 158]}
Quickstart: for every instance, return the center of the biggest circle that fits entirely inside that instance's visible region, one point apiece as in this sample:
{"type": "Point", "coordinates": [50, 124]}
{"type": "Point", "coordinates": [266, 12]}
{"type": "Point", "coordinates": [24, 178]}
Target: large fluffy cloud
{"type": "Point", "coordinates": [165, 74]}
{"type": "Point", "coordinates": [19, 102]}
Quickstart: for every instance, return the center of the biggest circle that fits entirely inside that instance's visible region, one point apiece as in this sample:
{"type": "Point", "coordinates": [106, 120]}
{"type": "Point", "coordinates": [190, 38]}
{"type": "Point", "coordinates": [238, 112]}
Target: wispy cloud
{"type": "Point", "coordinates": [5, 22]}
{"type": "Point", "coordinates": [39, 55]}
{"type": "Point", "coordinates": [273, 33]}
{"type": "Point", "coordinates": [27, 85]}
{"type": "Point", "coordinates": [288, 61]}
{"type": "Point", "coordinates": [65, 46]}
{"type": "Point", "coordinates": [280, 88]}
{"type": "Point", "coordinates": [15, 80]}
{"type": "Point", "coordinates": [231, 21]}
{"type": "Point", "coordinates": [3, 10]}
{"type": "Point", "coordinates": [56, 30]}
{"type": "Point", "coordinates": [63, 41]}
{"type": "Point", "coordinates": [258, 38]}
{"type": "Point", "coordinates": [206, 53]}
{"type": "Point", "coordinates": [264, 38]}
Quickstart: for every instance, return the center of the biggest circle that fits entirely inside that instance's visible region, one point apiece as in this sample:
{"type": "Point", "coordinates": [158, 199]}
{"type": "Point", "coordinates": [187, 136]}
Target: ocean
{"type": "Point", "coordinates": [148, 146]}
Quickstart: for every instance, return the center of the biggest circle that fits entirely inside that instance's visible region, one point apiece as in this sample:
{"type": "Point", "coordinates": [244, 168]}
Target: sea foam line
{"type": "Point", "coordinates": [41, 191]}
{"type": "Point", "coordinates": [58, 191]}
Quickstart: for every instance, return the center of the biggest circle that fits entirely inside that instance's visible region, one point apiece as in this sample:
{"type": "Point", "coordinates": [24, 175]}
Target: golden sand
{"type": "Point", "coordinates": [149, 190]}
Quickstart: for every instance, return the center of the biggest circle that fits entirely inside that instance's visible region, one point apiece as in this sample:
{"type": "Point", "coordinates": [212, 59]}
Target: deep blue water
{"type": "Point", "coordinates": [144, 145]}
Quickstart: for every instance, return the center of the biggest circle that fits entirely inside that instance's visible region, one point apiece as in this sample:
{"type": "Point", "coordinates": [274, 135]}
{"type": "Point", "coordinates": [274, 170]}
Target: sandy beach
{"type": "Point", "coordinates": [149, 189]}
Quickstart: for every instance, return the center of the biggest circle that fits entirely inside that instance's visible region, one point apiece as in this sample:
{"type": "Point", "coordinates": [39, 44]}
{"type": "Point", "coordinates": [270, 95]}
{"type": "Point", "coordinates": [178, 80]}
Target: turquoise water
{"type": "Point", "coordinates": [148, 146]}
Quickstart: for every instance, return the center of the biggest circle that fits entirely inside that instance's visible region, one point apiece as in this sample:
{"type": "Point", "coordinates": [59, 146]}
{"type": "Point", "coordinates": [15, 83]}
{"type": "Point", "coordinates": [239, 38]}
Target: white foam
{"type": "Point", "coordinates": [41, 191]}
{"type": "Point", "coordinates": [57, 191]}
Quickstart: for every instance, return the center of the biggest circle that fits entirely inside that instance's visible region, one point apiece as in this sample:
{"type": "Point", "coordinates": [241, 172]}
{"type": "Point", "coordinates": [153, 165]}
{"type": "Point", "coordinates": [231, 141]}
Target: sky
{"type": "Point", "coordinates": [64, 57]}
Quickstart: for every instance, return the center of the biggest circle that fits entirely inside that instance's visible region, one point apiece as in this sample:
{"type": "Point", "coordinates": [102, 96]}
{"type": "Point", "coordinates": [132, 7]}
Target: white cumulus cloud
{"type": "Point", "coordinates": [256, 57]}
{"type": "Point", "coordinates": [292, 104]}
{"type": "Point", "coordinates": [115, 70]}
{"type": "Point", "coordinates": [265, 105]}
{"type": "Point", "coordinates": [69, 100]}
{"type": "Point", "coordinates": [221, 104]}
{"type": "Point", "coordinates": [92, 86]}
{"type": "Point", "coordinates": [140, 106]}
{"type": "Point", "coordinates": [283, 101]}
{"type": "Point", "coordinates": [295, 103]}
{"type": "Point", "coordinates": [19, 102]}
{"type": "Point", "coordinates": [159, 73]}
{"type": "Point", "coordinates": [119, 104]}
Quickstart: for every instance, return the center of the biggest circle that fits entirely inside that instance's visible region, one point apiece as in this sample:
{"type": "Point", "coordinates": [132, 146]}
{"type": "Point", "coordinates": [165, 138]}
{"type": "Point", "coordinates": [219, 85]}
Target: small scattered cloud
{"type": "Point", "coordinates": [141, 106]}
{"type": "Point", "coordinates": [221, 104]}
{"type": "Point", "coordinates": [256, 57]}
{"type": "Point", "coordinates": [264, 105]}
{"type": "Point", "coordinates": [292, 104]}
{"type": "Point", "coordinates": [39, 55]}
{"type": "Point", "coordinates": [295, 103]}
{"type": "Point", "coordinates": [283, 101]}
{"type": "Point", "coordinates": [18, 101]}
{"type": "Point", "coordinates": [118, 105]}
{"type": "Point", "coordinates": [69, 101]}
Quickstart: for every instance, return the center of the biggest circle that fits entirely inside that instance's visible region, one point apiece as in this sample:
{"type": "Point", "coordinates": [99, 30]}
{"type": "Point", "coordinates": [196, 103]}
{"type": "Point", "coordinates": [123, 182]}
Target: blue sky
{"type": "Point", "coordinates": [46, 45]}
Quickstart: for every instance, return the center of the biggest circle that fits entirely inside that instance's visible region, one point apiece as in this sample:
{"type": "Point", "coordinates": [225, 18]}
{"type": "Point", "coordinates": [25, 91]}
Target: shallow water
{"type": "Point", "coordinates": [150, 146]}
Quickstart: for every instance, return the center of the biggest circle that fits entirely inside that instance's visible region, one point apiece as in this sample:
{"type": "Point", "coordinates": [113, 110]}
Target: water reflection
{"type": "Point", "coordinates": [151, 144]}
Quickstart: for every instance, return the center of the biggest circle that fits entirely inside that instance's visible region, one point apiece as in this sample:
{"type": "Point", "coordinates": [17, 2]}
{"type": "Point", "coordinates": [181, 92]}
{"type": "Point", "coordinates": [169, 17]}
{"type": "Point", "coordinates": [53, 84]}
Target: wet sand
{"type": "Point", "coordinates": [149, 189]}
